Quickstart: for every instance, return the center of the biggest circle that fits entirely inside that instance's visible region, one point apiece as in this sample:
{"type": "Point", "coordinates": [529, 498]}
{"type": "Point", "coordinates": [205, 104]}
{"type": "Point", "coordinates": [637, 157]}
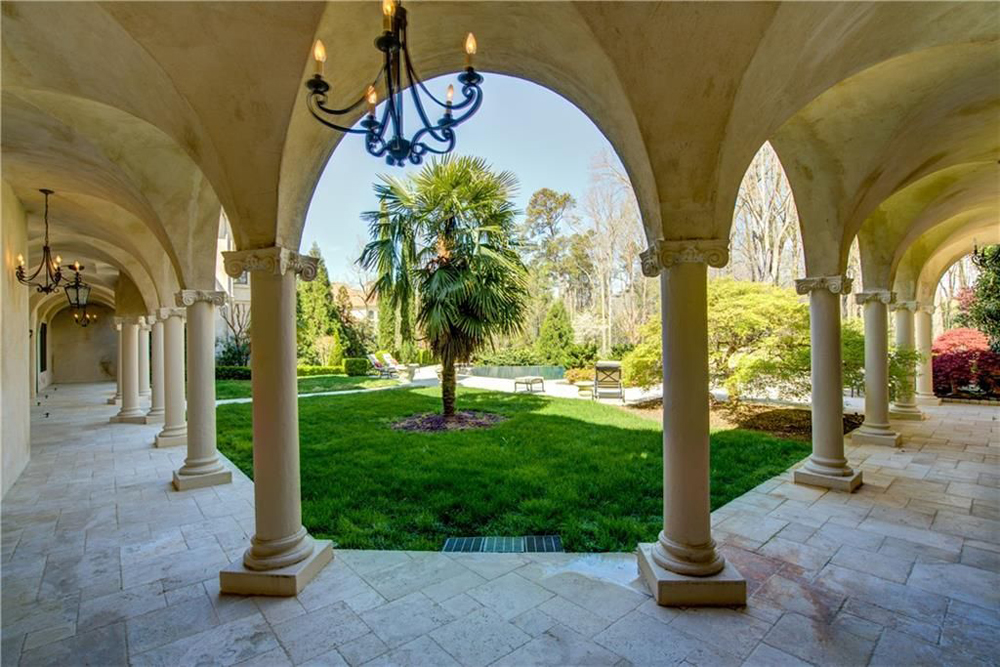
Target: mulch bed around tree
{"type": "Point", "coordinates": [461, 421]}
{"type": "Point", "coordinates": [783, 422]}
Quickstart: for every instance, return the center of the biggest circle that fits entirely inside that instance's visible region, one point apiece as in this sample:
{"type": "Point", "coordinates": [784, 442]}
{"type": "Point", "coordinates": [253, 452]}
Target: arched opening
{"type": "Point", "coordinates": [83, 354]}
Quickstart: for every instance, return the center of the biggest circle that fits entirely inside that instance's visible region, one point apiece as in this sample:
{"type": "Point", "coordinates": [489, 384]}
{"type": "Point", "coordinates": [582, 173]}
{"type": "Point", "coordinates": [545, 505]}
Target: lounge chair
{"type": "Point", "coordinates": [391, 362]}
{"type": "Point", "coordinates": [608, 381]}
{"type": "Point", "coordinates": [380, 367]}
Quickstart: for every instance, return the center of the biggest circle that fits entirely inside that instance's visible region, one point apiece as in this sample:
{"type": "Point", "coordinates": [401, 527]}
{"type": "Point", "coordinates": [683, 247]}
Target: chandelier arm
{"type": "Point", "coordinates": [419, 148]}
{"type": "Point", "coordinates": [474, 99]}
{"type": "Point", "coordinates": [315, 108]}
{"type": "Point", "coordinates": [429, 127]}
{"type": "Point", "coordinates": [416, 81]}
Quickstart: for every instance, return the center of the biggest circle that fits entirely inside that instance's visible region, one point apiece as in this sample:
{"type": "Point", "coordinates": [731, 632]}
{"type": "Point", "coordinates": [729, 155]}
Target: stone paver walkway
{"type": "Point", "coordinates": [103, 564]}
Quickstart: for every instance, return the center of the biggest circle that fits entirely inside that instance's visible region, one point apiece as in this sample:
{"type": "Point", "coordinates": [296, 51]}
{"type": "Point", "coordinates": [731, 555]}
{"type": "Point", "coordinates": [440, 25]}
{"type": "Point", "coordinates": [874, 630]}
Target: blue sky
{"type": "Point", "coordinates": [541, 137]}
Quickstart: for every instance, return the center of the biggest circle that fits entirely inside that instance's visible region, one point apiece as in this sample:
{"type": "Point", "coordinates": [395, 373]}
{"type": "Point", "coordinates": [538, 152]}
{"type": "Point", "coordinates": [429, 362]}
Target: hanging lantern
{"type": "Point", "coordinates": [77, 292]}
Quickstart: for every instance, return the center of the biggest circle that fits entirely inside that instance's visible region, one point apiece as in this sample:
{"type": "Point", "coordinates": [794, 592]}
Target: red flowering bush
{"type": "Point", "coordinates": [962, 357]}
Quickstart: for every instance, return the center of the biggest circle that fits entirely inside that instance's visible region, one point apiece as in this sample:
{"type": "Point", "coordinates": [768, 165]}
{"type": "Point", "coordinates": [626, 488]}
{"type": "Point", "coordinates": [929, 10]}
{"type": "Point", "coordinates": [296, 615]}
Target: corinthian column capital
{"type": "Point", "coordinates": [275, 260]}
{"type": "Point", "coordinates": [834, 284]}
{"type": "Point", "coordinates": [904, 305]}
{"type": "Point", "coordinates": [189, 297]}
{"type": "Point", "coordinates": [882, 295]}
{"type": "Point", "coordinates": [926, 308]}
{"type": "Point", "coordinates": [664, 254]}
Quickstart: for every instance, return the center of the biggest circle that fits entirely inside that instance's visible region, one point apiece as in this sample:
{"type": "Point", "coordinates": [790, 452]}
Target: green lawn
{"type": "Point", "coordinates": [589, 472]}
{"type": "Point", "coordinates": [307, 385]}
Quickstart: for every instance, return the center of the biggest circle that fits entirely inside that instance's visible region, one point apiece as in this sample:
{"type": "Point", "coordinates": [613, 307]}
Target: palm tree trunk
{"type": "Point", "coordinates": [448, 384]}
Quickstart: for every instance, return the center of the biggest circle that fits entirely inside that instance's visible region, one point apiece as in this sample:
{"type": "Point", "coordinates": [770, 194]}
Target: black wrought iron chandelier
{"type": "Point", "coordinates": [53, 274]}
{"type": "Point", "coordinates": [432, 137]}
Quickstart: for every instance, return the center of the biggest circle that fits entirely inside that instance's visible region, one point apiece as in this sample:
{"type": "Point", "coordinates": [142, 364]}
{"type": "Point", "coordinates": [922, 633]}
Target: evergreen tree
{"type": "Point", "coordinates": [386, 325]}
{"type": "Point", "coordinates": [555, 342]}
{"type": "Point", "coordinates": [314, 310]}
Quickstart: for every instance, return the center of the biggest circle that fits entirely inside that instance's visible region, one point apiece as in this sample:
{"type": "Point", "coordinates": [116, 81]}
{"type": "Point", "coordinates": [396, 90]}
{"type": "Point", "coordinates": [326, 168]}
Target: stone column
{"type": "Point", "coordinates": [683, 567]}
{"type": "Point", "coordinates": [130, 412]}
{"type": "Point", "coordinates": [875, 430]}
{"type": "Point", "coordinates": [905, 407]}
{"type": "Point", "coordinates": [924, 320]}
{"type": "Point", "coordinates": [143, 358]}
{"type": "Point", "coordinates": [174, 433]}
{"type": "Point", "coordinates": [827, 466]}
{"type": "Point", "coordinates": [282, 557]}
{"type": "Point", "coordinates": [155, 413]}
{"type": "Point", "coordinates": [202, 466]}
{"type": "Point", "coordinates": [118, 367]}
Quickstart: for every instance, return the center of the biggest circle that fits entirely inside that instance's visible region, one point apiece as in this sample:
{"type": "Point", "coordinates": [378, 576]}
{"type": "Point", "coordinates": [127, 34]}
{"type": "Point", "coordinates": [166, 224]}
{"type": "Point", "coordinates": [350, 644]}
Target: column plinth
{"type": "Point", "coordinates": [684, 567]}
{"type": "Point", "coordinates": [130, 412]}
{"type": "Point", "coordinates": [143, 351]}
{"type": "Point", "coordinates": [174, 433]}
{"type": "Point", "coordinates": [282, 557]}
{"type": "Point", "coordinates": [202, 466]}
{"type": "Point", "coordinates": [905, 405]}
{"type": "Point", "coordinates": [156, 410]}
{"type": "Point", "coordinates": [827, 466]}
{"type": "Point", "coordinates": [118, 368]}
{"type": "Point", "coordinates": [875, 430]}
{"type": "Point", "coordinates": [924, 324]}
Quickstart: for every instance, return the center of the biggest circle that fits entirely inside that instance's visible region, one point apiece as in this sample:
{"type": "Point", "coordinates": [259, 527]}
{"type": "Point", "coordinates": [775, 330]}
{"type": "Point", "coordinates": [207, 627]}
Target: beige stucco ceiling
{"type": "Point", "coordinates": [150, 116]}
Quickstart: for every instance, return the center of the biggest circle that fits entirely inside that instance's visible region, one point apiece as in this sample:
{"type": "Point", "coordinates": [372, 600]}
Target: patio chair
{"type": "Point", "coordinates": [608, 381]}
{"type": "Point", "coordinates": [391, 362]}
{"type": "Point", "coordinates": [381, 368]}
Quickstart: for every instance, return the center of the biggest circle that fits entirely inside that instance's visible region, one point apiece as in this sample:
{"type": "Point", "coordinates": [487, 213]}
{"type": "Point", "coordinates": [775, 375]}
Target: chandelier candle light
{"type": "Point", "coordinates": [395, 148]}
{"type": "Point", "coordinates": [53, 274]}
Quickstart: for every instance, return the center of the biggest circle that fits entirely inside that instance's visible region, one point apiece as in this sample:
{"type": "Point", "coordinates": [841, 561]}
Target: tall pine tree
{"type": "Point", "coordinates": [555, 341]}
{"type": "Point", "coordinates": [315, 311]}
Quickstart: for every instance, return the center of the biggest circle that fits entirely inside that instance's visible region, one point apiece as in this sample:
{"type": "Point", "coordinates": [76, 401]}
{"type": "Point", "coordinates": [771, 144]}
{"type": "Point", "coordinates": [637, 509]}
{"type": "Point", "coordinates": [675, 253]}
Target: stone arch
{"type": "Point", "coordinates": [586, 77]}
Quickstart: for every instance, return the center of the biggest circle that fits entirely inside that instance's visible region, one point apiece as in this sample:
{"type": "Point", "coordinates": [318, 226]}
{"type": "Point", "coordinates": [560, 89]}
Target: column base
{"type": "Point", "coordinates": [927, 399]}
{"type": "Point", "coordinates": [154, 417]}
{"type": "Point", "coordinates": [129, 419]}
{"type": "Point", "coordinates": [114, 399]}
{"type": "Point", "coordinates": [727, 588]}
{"type": "Point", "coordinates": [905, 413]}
{"type": "Point", "coordinates": [188, 482]}
{"type": "Point", "coordinates": [285, 581]}
{"type": "Point", "coordinates": [847, 483]}
{"type": "Point", "coordinates": [171, 440]}
{"type": "Point", "coordinates": [880, 437]}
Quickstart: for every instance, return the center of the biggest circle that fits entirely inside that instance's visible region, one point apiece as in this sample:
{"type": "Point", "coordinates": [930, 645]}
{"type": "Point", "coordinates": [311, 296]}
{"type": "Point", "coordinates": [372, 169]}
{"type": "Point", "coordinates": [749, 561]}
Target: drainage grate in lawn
{"type": "Point", "coordinates": [504, 545]}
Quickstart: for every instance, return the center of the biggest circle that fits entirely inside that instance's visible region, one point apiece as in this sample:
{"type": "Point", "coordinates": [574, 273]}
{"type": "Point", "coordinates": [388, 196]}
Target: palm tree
{"type": "Point", "coordinates": [445, 235]}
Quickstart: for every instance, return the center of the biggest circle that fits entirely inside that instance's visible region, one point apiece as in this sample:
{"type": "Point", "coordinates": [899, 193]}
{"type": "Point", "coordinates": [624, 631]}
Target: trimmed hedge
{"type": "Point", "coordinates": [308, 371]}
{"type": "Point", "coordinates": [232, 372]}
{"type": "Point", "coordinates": [354, 366]}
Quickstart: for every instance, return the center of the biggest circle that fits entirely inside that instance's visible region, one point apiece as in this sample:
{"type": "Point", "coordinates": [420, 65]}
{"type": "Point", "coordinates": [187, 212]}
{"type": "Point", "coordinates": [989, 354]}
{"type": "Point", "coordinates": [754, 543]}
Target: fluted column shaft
{"type": "Point", "coordinates": [156, 366]}
{"type": "Point", "coordinates": [827, 466]}
{"type": "Point", "coordinates": [130, 410]}
{"type": "Point", "coordinates": [143, 350]}
{"type": "Point", "coordinates": [905, 407]}
{"type": "Point", "coordinates": [924, 323]}
{"type": "Point", "coordinates": [875, 429]}
{"type": "Point", "coordinates": [202, 466]}
{"type": "Point", "coordinates": [174, 431]}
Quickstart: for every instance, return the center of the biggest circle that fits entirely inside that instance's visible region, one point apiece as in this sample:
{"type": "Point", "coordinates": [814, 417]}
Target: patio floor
{"type": "Point", "coordinates": [102, 563]}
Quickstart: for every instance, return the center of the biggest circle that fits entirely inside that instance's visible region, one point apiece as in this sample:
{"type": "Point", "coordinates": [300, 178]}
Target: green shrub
{"type": "Point", "coordinates": [426, 358]}
{"type": "Point", "coordinates": [579, 374]}
{"type": "Point", "coordinates": [355, 366]}
{"type": "Point", "coordinates": [308, 371]}
{"type": "Point", "coordinates": [642, 367]}
{"type": "Point", "coordinates": [512, 356]}
{"type": "Point", "coordinates": [232, 372]}
{"type": "Point", "coordinates": [581, 356]}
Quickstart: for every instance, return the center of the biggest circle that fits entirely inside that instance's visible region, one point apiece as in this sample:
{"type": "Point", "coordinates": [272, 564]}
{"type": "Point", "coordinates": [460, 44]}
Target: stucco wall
{"type": "Point", "coordinates": [82, 354]}
{"type": "Point", "coordinates": [15, 374]}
